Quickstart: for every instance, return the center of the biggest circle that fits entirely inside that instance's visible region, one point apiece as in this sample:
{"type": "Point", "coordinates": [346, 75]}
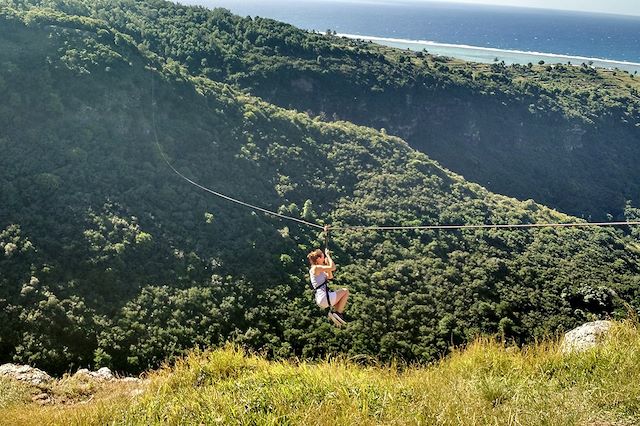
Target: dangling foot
{"type": "Point", "coordinates": [340, 317]}
{"type": "Point", "coordinates": [336, 319]}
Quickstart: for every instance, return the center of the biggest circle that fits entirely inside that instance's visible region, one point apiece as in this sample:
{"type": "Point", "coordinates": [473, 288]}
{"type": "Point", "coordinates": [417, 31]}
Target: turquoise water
{"type": "Point", "coordinates": [469, 32]}
{"type": "Point", "coordinates": [489, 55]}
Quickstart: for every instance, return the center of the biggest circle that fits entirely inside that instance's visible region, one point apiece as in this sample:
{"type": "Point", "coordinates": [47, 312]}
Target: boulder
{"type": "Point", "coordinates": [102, 374]}
{"type": "Point", "coordinates": [25, 373]}
{"type": "Point", "coordinates": [83, 373]}
{"type": "Point", "coordinates": [585, 337]}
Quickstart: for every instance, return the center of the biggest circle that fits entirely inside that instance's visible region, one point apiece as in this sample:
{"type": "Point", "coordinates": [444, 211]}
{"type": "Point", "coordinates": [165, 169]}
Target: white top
{"type": "Point", "coordinates": [317, 280]}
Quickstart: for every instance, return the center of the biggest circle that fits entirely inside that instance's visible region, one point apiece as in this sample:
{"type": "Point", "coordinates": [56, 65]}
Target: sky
{"type": "Point", "coordinates": [622, 7]}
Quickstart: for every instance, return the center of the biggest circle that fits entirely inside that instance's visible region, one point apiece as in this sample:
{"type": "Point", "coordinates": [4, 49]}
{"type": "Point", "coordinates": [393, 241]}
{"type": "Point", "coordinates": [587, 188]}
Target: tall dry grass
{"type": "Point", "coordinates": [487, 383]}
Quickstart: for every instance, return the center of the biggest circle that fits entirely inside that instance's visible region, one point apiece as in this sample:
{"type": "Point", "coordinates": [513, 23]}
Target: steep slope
{"type": "Point", "coordinates": [110, 259]}
{"type": "Point", "coordinates": [568, 137]}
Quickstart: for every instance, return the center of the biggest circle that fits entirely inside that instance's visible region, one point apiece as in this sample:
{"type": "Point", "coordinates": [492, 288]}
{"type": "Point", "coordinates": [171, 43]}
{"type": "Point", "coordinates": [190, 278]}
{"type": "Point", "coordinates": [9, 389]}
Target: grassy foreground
{"type": "Point", "coordinates": [487, 383]}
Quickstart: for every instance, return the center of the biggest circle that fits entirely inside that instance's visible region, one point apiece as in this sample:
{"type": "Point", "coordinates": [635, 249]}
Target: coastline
{"type": "Point", "coordinates": [488, 54]}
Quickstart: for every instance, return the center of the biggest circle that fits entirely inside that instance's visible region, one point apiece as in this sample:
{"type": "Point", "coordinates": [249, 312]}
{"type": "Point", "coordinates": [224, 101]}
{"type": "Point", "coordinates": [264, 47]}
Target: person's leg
{"type": "Point", "coordinates": [342, 296]}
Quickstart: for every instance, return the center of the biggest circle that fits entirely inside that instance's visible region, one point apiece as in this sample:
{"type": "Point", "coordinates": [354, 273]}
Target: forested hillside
{"type": "Point", "coordinates": [567, 137]}
{"type": "Point", "coordinates": [108, 258]}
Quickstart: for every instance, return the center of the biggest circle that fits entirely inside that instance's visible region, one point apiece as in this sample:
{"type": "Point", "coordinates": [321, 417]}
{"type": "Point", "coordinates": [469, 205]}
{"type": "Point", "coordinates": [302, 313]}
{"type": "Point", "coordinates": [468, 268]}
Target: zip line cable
{"type": "Point", "coordinates": [204, 188]}
{"type": "Point", "coordinates": [327, 228]}
{"type": "Point", "coordinates": [483, 226]}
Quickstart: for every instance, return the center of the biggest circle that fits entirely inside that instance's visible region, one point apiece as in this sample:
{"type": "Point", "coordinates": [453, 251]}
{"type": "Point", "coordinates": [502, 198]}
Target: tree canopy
{"type": "Point", "coordinates": [109, 259]}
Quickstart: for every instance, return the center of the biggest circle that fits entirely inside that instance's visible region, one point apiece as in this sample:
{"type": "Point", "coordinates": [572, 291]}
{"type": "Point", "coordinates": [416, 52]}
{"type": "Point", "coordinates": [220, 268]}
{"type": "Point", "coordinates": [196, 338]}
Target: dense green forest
{"type": "Point", "coordinates": [567, 137]}
{"type": "Point", "coordinates": [107, 258]}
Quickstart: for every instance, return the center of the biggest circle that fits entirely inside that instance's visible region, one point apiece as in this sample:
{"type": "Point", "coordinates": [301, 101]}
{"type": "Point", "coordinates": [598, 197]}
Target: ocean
{"type": "Point", "coordinates": [471, 32]}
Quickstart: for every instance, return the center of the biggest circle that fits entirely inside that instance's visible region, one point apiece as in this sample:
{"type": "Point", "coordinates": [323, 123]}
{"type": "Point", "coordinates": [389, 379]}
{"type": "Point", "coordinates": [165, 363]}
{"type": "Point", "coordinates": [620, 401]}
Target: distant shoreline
{"type": "Point", "coordinates": [488, 54]}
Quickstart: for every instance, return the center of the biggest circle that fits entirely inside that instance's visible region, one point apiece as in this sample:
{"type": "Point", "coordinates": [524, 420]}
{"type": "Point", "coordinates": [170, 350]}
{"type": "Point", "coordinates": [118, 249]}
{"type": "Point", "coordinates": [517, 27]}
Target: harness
{"type": "Point", "coordinates": [332, 315]}
{"type": "Point", "coordinates": [326, 281]}
{"type": "Point", "coordinates": [319, 287]}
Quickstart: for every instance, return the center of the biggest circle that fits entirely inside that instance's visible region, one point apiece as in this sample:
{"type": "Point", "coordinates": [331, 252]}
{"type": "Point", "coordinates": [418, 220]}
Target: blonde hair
{"type": "Point", "coordinates": [314, 255]}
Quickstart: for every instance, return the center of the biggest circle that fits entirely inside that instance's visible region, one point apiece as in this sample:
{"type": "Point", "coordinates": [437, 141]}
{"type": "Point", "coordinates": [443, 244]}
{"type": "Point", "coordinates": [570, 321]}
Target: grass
{"type": "Point", "coordinates": [486, 383]}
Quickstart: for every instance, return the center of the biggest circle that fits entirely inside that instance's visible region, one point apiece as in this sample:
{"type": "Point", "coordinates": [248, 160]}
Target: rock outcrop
{"type": "Point", "coordinates": [585, 337]}
{"type": "Point", "coordinates": [24, 373]}
{"type": "Point", "coordinates": [40, 379]}
{"type": "Point", "coordinates": [103, 374]}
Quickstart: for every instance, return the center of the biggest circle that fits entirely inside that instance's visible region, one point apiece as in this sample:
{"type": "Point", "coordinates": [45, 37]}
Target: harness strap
{"type": "Point", "coordinates": [326, 238]}
{"type": "Point", "coordinates": [326, 292]}
{"type": "Point", "coordinates": [319, 287]}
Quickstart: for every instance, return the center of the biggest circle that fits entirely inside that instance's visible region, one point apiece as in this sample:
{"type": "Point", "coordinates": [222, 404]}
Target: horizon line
{"type": "Point", "coordinates": [490, 3]}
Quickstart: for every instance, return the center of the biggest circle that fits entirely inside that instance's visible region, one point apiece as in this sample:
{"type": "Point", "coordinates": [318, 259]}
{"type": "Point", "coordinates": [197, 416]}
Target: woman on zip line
{"type": "Point", "coordinates": [321, 271]}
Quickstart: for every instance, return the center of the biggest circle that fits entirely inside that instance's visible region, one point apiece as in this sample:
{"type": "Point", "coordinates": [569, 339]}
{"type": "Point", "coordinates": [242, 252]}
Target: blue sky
{"type": "Point", "coordinates": [623, 7]}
